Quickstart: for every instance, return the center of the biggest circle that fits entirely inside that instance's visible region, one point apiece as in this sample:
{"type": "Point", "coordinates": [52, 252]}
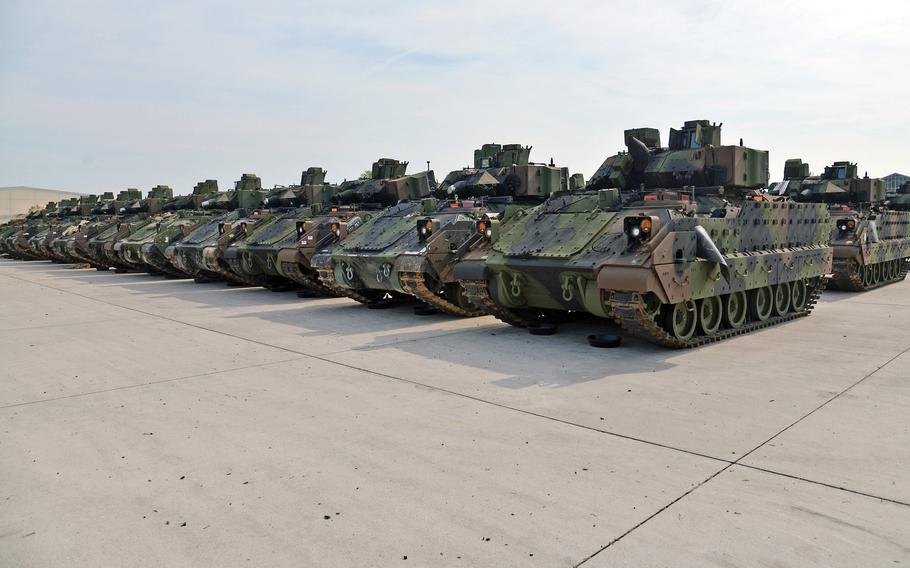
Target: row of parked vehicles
{"type": "Point", "coordinates": [681, 244]}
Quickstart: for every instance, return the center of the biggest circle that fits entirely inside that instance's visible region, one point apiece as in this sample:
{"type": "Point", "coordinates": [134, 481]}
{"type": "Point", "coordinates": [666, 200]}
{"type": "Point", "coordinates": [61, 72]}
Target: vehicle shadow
{"type": "Point", "coordinates": [559, 360]}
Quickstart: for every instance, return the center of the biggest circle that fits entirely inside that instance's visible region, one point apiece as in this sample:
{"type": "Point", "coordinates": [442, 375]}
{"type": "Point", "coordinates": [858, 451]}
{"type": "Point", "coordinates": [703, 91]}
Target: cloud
{"type": "Point", "coordinates": [103, 95]}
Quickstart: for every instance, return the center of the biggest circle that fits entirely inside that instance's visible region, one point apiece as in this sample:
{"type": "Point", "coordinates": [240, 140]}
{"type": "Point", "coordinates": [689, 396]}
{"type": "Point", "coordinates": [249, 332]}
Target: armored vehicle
{"type": "Point", "coordinates": [55, 222]}
{"type": "Point", "coordinates": [136, 217]}
{"type": "Point", "coordinates": [871, 237]}
{"type": "Point", "coordinates": [198, 254]}
{"type": "Point", "coordinates": [419, 259]}
{"type": "Point", "coordinates": [143, 230]}
{"type": "Point", "coordinates": [64, 244]}
{"type": "Point", "coordinates": [18, 233]}
{"type": "Point", "coordinates": [181, 216]}
{"type": "Point", "coordinates": [94, 246]}
{"type": "Point", "coordinates": [253, 255]}
{"type": "Point", "coordinates": [8, 230]}
{"type": "Point", "coordinates": [362, 265]}
{"type": "Point", "coordinates": [677, 244]}
{"type": "Point", "coordinates": [354, 202]}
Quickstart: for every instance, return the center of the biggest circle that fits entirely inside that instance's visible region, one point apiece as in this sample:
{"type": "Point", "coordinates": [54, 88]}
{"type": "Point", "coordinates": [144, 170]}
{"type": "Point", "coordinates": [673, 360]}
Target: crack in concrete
{"type": "Point", "coordinates": [727, 463]}
{"type": "Point", "coordinates": [147, 383]}
{"type": "Point", "coordinates": [747, 454]}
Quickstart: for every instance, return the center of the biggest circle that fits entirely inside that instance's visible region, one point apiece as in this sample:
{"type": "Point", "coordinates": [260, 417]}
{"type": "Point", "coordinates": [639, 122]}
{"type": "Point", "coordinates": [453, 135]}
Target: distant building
{"type": "Point", "coordinates": [894, 181]}
{"type": "Point", "coordinates": [17, 200]}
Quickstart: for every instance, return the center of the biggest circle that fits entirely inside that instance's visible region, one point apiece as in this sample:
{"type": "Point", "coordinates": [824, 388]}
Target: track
{"type": "Point", "coordinates": [847, 275]}
{"type": "Point", "coordinates": [630, 312]}
{"type": "Point", "coordinates": [478, 292]}
{"type": "Point", "coordinates": [415, 284]}
{"type": "Point", "coordinates": [292, 271]}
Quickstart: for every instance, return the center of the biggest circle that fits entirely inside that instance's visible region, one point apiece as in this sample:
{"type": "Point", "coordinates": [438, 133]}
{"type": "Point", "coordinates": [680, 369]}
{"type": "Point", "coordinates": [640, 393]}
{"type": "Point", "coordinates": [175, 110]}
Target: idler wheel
{"type": "Point", "coordinates": [735, 309]}
{"type": "Point", "coordinates": [781, 298]}
{"type": "Point", "coordinates": [710, 314]}
{"type": "Point", "coordinates": [682, 319]}
{"type": "Point", "coordinates": [799, 296]}
{"type": "Point", "coordinates": [761, 302]}
{"type": "Point", "coordinates": [542, 328]}
{"type": "Point", "coordinates": [424, 310]}
{"type": "Point", "coordinates": [604, 340]}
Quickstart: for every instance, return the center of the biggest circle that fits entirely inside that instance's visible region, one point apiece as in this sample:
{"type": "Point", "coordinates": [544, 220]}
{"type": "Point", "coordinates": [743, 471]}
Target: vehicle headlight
{"type": "Point", "coordinates": [638, 228]}
{"type": "Point", "coordinates": [425, 228]}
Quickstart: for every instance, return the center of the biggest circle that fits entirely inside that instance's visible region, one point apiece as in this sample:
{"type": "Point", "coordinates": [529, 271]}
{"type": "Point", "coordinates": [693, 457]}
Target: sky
{"type": "Point", "coordinates": [100, 96]}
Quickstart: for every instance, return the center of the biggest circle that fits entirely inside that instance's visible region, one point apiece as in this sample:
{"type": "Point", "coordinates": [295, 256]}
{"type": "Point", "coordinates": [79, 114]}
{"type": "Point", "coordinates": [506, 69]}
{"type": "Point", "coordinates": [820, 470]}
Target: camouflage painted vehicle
{"type": "Point", "coordinates": [198, 254]}
{"type": "Point", "coordinates": [181, 216]}
{"type": "Point", "coordinates": [7, 231]}
{"type": "Point", "coordinates": [64, 245]}
{"type": "Point", "coordinates": [56, 221]}
{"type": "Point", "coordinates": [900, 201]}
{"type": "Point", "coordinates": [15, 239]}
{"type": "Point", "coordinates": [677, 244]}
{"type": "Point", "coordinates": [361, 266]}
{"type": "Point", "coordinates": [138, 216]}
{"type": "Point", "coordinates": [128, 246]}
{"type": "Point", "coordinates": [253, 255]}
{"type": "Point", "coordinates": [420, 254]}
{"type": "Point", "coordinates": [354, 203]}
{"type": "Point", "coordinates": [871, 238]}
{"type": "Point", "coordinates": [94, 243]}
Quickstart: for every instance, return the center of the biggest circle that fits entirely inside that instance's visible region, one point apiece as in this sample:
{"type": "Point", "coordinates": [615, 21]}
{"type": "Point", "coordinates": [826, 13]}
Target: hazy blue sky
{"type": "Point", "coordinates": [104, 95]}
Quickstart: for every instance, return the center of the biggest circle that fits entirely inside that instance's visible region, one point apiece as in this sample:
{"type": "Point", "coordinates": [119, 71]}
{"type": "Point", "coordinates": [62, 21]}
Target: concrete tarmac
{"type": "Point", "coordinates": [153, 422]}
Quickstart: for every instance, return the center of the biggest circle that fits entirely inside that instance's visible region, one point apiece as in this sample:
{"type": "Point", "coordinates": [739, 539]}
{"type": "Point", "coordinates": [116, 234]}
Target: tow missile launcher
{"type": "Point", "coordinates": [198, 254]}
{"type": "Point", "coordinates": [676, 244]}
{"type": "Point", "coordinates": [354, 203]}
{"type": "Point", "coordinates": [253, 256]}
{"type": "Point", "coordinates": [871, 236]}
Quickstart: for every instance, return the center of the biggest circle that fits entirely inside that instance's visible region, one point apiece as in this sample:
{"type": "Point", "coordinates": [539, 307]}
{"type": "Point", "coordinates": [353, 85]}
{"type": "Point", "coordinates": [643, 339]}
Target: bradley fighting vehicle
{"type": "Point", "coordinates": [185, 215]}
{"type": "Point", "coordinates": [413, 251]}
{"type": "Point", "coordinates": [354, 202]}
{"type": "Point", "coordinates": [253, 255]}
{"type": "Point", "coordinates": [8, 230]}
{"type": "Point", "coordinates": [676, 244]}
{"type": "Point", "coordinates": [94, 243]}
{"type": "Point", "coordinates": [144, 248]}
{"type": "Point", "coordinates": [198, 254]}
{"type": "Point", "coordinates": [136, 219]}
{"type": "Point", "coordinates": [871, 238]}
{"type": "Point", "coordinates": [479, 199]}
{"type": "Point", "coordinates": [56, 222]}
{"type": "Point", "coordinates": [17, 234]}
{"type": "Point", "coordinates": [63, 245]}
{"type": "Point", "coordinates": [369, 265]}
